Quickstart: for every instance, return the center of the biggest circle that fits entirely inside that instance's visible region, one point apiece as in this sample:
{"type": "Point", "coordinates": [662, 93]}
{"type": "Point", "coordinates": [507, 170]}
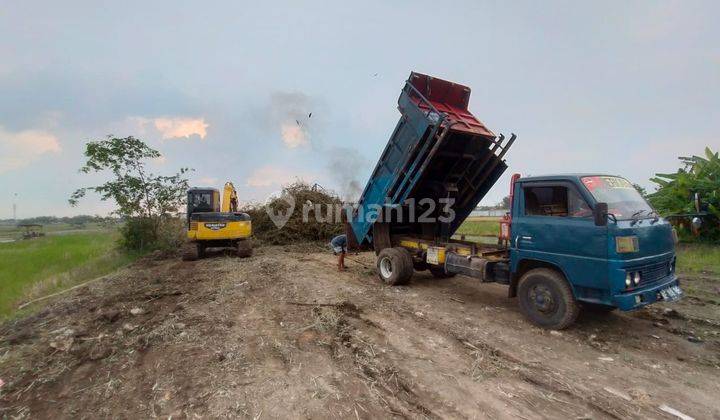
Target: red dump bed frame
{"type": "Point", "coordinates": [450, 98]}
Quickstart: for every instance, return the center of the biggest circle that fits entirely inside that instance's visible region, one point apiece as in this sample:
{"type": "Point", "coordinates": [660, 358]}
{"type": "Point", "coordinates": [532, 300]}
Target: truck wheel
{"type": "Point", "coordinates": [547, 300]}
{"type": "Point", "coordinates": [201, 250]}
{"type": "Point", "coordinates": [439, 272]}
{"type": "Point", "coordinates": [395, 266]}
{"type": "Point", "coordinates": [244, 249]}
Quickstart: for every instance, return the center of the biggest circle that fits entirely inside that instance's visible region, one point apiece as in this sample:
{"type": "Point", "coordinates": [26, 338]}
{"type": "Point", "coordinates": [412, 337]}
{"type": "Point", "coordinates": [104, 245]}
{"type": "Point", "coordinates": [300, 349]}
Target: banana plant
{"type": "Point", "coordinates": [699, 177]}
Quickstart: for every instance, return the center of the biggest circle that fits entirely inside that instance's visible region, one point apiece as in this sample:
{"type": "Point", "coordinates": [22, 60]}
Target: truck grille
{"type": "Point", "coordinates": [653, 272]}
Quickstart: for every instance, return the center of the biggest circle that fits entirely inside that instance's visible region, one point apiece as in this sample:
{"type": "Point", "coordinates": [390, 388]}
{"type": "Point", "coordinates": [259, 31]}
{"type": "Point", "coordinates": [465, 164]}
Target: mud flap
{"type": "Point", "coordinates": [381, 237]}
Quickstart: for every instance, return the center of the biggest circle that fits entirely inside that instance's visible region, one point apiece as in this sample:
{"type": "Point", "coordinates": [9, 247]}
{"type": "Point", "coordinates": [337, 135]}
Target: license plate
{"type": "Point", "coordinates": [671, 294]}
{"type": "Point", "coordinates": [432, 255]}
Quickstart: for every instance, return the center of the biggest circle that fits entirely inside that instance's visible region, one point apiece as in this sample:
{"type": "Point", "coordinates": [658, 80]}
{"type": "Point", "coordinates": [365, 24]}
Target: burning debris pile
{"type": "Point", "coordinates": [302, 212]}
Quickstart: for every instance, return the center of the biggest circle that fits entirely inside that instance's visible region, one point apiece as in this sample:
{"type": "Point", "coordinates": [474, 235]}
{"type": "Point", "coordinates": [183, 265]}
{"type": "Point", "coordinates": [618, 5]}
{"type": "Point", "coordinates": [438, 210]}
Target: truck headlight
{"type": "Point", "coordinates": [636, 278]}
{"type": "Point", "coordinates": [626, 244]}
{"type": "Point", "coordinates": [628, 280]}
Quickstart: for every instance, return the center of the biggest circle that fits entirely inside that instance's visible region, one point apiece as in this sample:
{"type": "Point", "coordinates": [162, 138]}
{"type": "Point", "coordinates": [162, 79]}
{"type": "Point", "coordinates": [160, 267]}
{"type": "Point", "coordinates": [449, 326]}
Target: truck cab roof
{"type": "Point", "coordinates": [562, 177]}
{"type": "Point", "coordinates": [202, 189]}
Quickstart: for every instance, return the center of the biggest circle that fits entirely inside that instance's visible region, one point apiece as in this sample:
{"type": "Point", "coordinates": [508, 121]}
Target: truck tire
{"type": "Point", "coordinates": [547, 300]}
{"type": "Point", "coordinates": [244, 248]}
{"type": "Point", "coordinates": [395, 266]}
{"type": "Point", "coordinates": [439, 272]}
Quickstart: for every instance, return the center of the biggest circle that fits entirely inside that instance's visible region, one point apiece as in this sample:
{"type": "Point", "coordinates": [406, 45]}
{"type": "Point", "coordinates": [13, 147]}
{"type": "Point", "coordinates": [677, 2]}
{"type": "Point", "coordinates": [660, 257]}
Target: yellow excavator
{"type": "Point", "coordinates": [212, 225]}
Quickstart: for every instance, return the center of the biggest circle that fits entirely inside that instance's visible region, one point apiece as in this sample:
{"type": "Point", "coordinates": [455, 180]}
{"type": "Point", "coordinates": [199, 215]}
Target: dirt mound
{"type": "Point", "coordinates": [314, 215]}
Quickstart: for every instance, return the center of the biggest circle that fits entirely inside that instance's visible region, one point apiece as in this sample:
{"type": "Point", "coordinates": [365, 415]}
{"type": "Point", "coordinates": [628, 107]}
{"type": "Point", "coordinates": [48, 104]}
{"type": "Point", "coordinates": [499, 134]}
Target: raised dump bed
{"type": "Point", "coordinates": [440, 162]}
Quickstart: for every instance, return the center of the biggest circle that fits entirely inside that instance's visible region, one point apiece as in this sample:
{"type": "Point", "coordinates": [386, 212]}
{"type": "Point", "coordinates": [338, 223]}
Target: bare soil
{"type": "Point", "coordinates": [284, 335]}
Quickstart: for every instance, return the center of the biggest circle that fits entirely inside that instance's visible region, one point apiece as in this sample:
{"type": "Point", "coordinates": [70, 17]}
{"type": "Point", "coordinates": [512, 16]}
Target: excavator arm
{"type": "Point", "coordinates": [229, 199]}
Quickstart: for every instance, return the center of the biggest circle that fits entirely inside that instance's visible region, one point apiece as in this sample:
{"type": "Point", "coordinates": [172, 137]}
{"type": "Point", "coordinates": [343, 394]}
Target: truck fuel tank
{"type": "Point", "coordinates": [487, 271]}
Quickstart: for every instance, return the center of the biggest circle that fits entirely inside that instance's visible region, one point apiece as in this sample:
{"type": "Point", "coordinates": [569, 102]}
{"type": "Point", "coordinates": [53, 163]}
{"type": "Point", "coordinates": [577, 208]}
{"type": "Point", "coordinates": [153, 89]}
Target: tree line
{"type": "Point", "coordinates": [82, 219]}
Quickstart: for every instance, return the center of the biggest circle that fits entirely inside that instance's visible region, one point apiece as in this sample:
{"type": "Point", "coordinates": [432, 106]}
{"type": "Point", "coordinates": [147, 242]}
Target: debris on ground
{"type": "Point", "coordinates": [675, 412]}
{"type": "Point", "coordinates": [672, 314]}
{"type": "Point", "coordinates": [321, 209]}
{"type": "Point", "coordinates": [111, 315]}
{"type": "Point", "coordinates": [617, 393]}
{"type": "Point", "coordinates": [284, 335]}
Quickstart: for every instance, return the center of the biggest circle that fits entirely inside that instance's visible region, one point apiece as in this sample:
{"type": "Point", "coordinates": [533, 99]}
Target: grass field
{"type": "Point", "coordinates": [41, 266]}
{"type": "Point", "coordinates": [699, 258]}
{"type": "Point", "coordinates": [480, 226]}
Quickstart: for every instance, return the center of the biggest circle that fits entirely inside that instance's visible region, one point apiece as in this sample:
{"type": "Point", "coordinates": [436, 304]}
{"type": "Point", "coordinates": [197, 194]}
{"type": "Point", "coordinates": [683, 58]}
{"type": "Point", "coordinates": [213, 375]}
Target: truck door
{"type": "Point", "coordinates": [553, 223]}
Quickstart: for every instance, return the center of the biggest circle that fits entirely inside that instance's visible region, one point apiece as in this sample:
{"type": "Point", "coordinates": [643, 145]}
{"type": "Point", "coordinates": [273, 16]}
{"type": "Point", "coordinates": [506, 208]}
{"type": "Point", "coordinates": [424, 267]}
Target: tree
{"type": "Point", "coordinates": [144, 200]}
{"type": "Point", "coordinates": [699, 175]}
{"type": "Point", "coordinates": [505, 203]}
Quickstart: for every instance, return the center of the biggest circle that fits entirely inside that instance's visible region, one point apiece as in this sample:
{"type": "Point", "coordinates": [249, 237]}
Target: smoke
{"type": "Point", "coordinates": [345, 166]}
{"type": "Point", "coordinates": [290, 113]}
{"type": "Point", "coordinates": [298, 118]}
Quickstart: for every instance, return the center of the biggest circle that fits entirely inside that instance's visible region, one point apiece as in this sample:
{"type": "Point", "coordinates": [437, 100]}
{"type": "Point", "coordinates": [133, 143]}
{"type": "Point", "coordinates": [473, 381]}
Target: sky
{"type": "Point", "coordinates": [227, 87]}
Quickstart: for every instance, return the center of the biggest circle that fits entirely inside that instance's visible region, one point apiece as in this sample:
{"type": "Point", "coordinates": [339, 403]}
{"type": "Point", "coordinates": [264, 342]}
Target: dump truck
{"type": "Point", "coordinates": [569, 242]}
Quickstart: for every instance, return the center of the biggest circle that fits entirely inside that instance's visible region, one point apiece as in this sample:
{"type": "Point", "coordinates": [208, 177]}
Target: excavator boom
{"type": "Point", "coordinates": [230, 199]}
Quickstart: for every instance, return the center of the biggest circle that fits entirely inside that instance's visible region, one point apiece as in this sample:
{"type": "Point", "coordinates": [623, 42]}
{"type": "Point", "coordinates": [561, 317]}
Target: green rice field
{"type": "Point", "coordinates": [36, 267]}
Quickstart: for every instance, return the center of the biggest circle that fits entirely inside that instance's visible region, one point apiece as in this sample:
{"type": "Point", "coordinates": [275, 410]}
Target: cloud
{"type": "Point", "coordinates": [20, 148]}
{"type": "Point", "coordinates": [294, 135]}
{"type": "Point", "coordinates": [172, 127]}
{"type": "Point", "coordinates": [272, 176]}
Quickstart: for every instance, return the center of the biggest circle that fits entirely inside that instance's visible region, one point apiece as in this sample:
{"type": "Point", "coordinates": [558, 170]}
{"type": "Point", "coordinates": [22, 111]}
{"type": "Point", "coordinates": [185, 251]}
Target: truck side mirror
{"type": "Point", "coordinates": [600, 213]}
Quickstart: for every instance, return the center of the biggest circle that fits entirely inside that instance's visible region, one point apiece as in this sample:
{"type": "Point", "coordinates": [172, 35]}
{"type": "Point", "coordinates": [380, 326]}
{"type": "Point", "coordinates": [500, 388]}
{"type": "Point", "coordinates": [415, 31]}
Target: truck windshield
{"type": "Point", "coordinates": [623, 200]}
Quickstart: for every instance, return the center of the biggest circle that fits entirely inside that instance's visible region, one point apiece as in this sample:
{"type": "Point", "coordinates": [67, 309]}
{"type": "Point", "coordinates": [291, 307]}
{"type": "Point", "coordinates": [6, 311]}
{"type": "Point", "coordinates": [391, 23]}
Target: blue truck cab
{"type": "Point", "coordinates": [569, 241]}
{"type": "Point", "coordinates": [599, 234]}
